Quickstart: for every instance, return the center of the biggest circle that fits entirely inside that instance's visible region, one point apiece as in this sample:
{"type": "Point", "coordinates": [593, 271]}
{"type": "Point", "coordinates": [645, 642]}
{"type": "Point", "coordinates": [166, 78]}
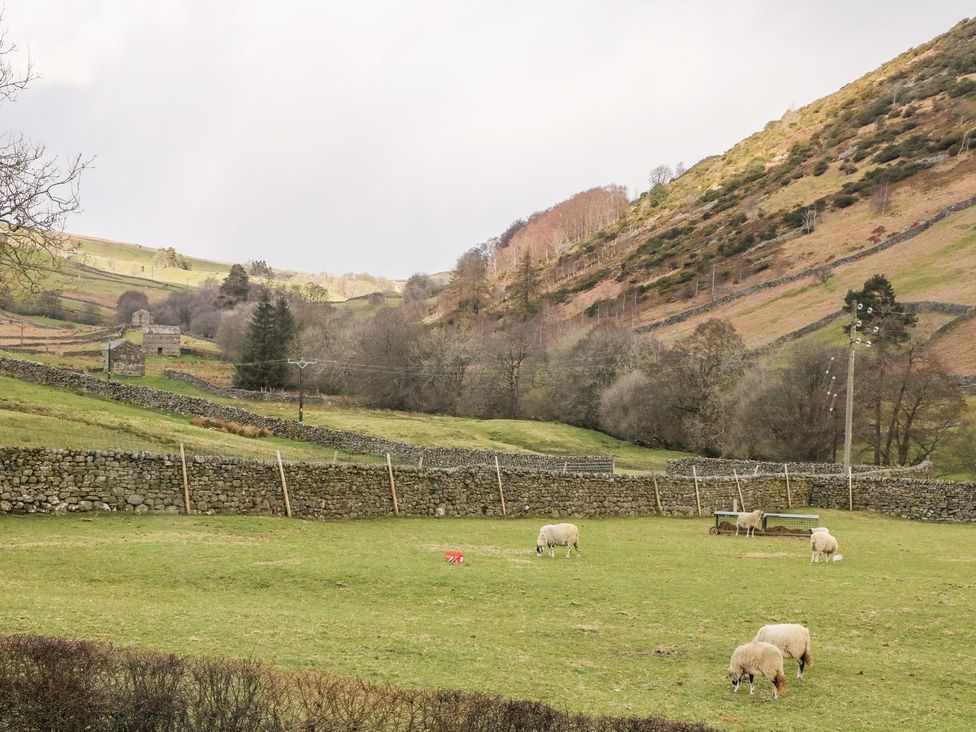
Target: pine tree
{"type": "Point", "coordinates": [234, 288]}
{"type": "Point", "coordinates": [886, 313]}
{"type": "Point", "coordinates": [255, 371]}
{"type": "Point", "coordinates": [282, 338]}
{"type": "Point", "coordinates": [524, 292]}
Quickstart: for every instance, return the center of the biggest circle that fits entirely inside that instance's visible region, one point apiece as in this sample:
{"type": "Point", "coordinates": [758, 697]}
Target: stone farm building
{"type": "Point", "coordinates": [142, 317]}
{"type": "Point", "coordinates": [161, 340]}
{"type": "Point", "coordinates": [124, 358]}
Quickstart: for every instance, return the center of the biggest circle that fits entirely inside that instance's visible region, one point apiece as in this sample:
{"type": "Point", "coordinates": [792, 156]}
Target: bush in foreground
{"type": "Point", "coordinates": [64, 685]}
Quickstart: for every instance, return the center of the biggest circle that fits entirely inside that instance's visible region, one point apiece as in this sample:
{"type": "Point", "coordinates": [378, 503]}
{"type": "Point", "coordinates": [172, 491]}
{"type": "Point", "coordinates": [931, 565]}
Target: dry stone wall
{"type": "Point", "coordinates": [351, 442]}
{"type": "Point", "coordinates": [226, 391]}
{"type": "Point", "coordinates": [898, 238]}
{"type": "Point", "coordinates": [718, 466]}
{"type": "Point", "coordinates": [39, 480]}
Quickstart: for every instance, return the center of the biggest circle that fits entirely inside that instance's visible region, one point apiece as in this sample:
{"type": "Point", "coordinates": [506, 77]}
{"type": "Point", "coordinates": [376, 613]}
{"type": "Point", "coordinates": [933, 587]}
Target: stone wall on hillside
{"type": "Point", "coordinates": [351, 442]}
{"type": "Point", "coordinates": [39, 480]}
{"type": "Point", "coordinates": [719, 466]}
{"type": "Point", "coordinates": [231, 393]}
{"type": "Point", "coordinates": [898, 238]}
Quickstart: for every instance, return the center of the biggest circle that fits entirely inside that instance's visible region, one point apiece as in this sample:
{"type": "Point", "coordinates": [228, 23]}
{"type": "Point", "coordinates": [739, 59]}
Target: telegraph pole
{"type": "Point", "coordinates": [301, 364]}
{"type": "Point", "coordinates": [853, 339]}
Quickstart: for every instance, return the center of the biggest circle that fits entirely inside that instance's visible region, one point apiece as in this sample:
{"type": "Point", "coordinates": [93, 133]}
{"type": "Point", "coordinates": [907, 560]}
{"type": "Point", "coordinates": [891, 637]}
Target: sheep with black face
{"type": "Point", "coordinates": [553, 535]}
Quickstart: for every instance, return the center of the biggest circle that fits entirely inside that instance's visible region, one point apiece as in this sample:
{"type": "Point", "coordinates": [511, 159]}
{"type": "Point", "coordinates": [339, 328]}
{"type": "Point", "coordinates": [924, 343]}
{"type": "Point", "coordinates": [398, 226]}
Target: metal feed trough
{"type": "Point", "coordinates": [773, 524]}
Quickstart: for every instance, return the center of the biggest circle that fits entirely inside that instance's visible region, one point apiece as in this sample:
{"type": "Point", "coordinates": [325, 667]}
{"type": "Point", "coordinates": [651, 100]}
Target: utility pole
{"type": "Point", "coordinates": [853, 339]}
{"type": "Point", "coordinates": [301, 364]}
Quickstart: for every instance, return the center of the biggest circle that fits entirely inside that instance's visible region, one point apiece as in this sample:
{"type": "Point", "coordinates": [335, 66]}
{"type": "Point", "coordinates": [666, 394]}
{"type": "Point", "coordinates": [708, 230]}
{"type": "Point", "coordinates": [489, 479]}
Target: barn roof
{"type": "Point", "coordinates": [161, 329]}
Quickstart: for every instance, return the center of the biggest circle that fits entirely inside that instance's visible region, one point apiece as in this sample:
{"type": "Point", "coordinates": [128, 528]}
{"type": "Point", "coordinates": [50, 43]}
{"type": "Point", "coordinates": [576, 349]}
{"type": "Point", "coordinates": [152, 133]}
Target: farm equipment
{"type": "Point", "coordinates": [773, 524]}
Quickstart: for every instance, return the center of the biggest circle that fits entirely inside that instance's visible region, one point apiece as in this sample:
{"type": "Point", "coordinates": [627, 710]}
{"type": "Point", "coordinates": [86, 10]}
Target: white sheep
{"type": "Point", "coordinates": [758, 658]}
{"type": "Point", "coordinates": [823, 529]}
{"type": "Point", "coordinates": [822, 546]}
{"type": "Point", "coordinates": [748, 521]}
{"type": "Point", "coordinates": [553, 535]}
{"type": "Point", "coordinates": [792, 639]}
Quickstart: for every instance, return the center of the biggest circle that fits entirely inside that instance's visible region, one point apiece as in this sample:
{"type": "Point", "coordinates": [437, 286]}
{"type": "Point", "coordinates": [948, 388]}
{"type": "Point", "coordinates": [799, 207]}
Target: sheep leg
{"type": "Point", "coordinates": [552, 551]}
{"type": "Point", "coordinates": [752, 685]}
{"type": "Point", "coordinates": [736, 529]}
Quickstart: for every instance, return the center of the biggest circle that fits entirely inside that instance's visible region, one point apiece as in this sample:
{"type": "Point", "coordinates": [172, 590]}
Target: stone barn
{"type": "Point", "coordinates": [142, 317]}
{"type": "Point", "coordinates": [161, 340]}
{"type": "Point", "coordinates": [124, 358]}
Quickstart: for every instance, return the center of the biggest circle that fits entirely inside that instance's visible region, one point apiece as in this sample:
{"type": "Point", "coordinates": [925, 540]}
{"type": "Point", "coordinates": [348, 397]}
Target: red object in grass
{"type": "Point", "coordinates": [454, 557]}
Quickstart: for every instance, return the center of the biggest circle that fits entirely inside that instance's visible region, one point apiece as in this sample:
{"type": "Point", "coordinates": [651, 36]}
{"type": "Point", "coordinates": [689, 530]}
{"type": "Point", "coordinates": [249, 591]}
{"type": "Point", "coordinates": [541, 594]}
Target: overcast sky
{"type": "Point", "coordinates": [388, 137]}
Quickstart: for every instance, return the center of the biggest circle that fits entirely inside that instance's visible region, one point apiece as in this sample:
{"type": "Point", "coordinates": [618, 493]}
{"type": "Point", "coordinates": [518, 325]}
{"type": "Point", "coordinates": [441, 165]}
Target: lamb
{"type": "Point", "coordinates": [822, 546]}
{"type": "Point", "coordinates": [792, 639]}
{"type": "Point", "coordinates": [758, 658]}
{"type": "Point", "coordinates": [823, 529]}
{"type": "Point", "coordinates": [553, 535]}
{"type": "Point", "coordinates": [748, 521]}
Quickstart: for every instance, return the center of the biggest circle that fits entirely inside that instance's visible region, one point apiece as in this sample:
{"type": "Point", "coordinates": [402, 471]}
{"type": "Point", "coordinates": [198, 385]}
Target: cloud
{"type": "Point", "coordinates": [390, 136]}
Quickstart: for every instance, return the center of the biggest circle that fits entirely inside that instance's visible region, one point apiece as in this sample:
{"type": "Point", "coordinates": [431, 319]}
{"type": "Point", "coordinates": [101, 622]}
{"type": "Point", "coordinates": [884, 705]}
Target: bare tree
{"type": "Point", "coordinates": [661, 175]}
{"type": "Point", "coordinates": [36, 194]}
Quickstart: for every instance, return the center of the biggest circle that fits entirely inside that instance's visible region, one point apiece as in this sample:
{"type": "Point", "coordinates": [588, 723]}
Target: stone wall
{"type": "Point", "coordinates": [717, 466]}
{"type": "Point", "coordinates": [891, 241]}
{"type": "Point", "coordinates": [39, 480]}
{"type": "Point", "coordinates": [350, 442]}
{"type": "Point", "coordinates": [231, 393]}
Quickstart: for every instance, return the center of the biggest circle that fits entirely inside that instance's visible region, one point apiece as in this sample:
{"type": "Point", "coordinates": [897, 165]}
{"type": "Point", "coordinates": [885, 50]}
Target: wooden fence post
{"type": "Point", "coordinates": [850, 490]}
{"type": "Point", "coordinates": [284, 485]}
{"type": "Point", "coordinates": [501, 490]}
{"type": "Point", "coordinates": [420, 463]}
{"type": "Point", "coordinates": [389, 467]}
{"type": "Point", "coordinates": [335, 457]}
{"type": "Point", "coordinates": [657, 497]}
{"type": "Point", "coordinates": [738, 488]}
{"type": "Point", "coordinates": [186, 482]}
{"type": "Point", "coordinates": [789, 493]}
{"type": "Point", "coordinates": [694, 471]}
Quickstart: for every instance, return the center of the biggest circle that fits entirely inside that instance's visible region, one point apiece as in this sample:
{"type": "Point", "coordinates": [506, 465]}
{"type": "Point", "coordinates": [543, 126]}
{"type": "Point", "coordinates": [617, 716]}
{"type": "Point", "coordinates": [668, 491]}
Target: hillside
{"type": "Point", "coordinates": [97, 271]}
{"type": "Point", "coordinates": [806, 198]}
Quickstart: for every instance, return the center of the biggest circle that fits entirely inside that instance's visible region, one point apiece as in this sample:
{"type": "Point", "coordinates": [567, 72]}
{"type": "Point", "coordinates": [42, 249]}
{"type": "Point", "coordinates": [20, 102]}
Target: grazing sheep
{"type": "Point", "coordinates": [758, 658]}
{"type": "Point", "coordinates": [822, 546]}
{"type": "Point", "coordinates": [553, 535]}
{"type": "Point", "coordinates": [748, 521]}
{"type": "Point", "coordinates": [792, 639]}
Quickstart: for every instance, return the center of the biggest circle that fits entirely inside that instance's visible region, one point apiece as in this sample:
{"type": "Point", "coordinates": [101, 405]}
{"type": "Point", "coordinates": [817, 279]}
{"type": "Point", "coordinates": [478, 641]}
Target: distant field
{"type": "Point", "coordinates": [52, 409]}
{"type": "Point", "coordinates": [39, 416]}
{"type": "Point", "coordinates": [644, 623]}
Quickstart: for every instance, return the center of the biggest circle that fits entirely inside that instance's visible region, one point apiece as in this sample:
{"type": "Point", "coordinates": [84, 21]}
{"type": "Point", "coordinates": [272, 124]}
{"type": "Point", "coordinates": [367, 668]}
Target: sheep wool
{"type": "Point", "coordinates": [792, 639]}
{"type": "Point", "coordinates": [748, 521]}
{"type": "Point", "coordinates": [553, 535]}
{"type": "Point", "coordinates": [758, 658]}
{"type": "Point", "coordinates": [822, 547]}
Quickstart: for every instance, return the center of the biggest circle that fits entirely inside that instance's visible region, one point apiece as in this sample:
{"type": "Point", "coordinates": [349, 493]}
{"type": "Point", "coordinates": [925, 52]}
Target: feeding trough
{"type": "Point", "coordinates": [773, 524]}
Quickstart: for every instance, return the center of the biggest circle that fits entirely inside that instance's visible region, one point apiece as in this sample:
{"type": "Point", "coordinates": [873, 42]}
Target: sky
{"type": "Point", "coordinates": [388, 137]}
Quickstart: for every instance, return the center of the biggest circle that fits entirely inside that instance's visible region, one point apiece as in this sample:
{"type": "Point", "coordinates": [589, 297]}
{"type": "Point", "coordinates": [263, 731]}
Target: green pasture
{"type": "Point", "coordinates": [643, 623]}
{"type": "Point", "coordinates": [39, 416]}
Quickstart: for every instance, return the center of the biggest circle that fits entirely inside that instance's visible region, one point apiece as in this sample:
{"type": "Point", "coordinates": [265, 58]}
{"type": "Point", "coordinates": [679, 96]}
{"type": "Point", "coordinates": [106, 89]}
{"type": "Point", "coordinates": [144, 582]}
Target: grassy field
{"type": "Point", "coordinates": [643, 623]}
{"type": "Point", "coordinates": [40, 416]}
